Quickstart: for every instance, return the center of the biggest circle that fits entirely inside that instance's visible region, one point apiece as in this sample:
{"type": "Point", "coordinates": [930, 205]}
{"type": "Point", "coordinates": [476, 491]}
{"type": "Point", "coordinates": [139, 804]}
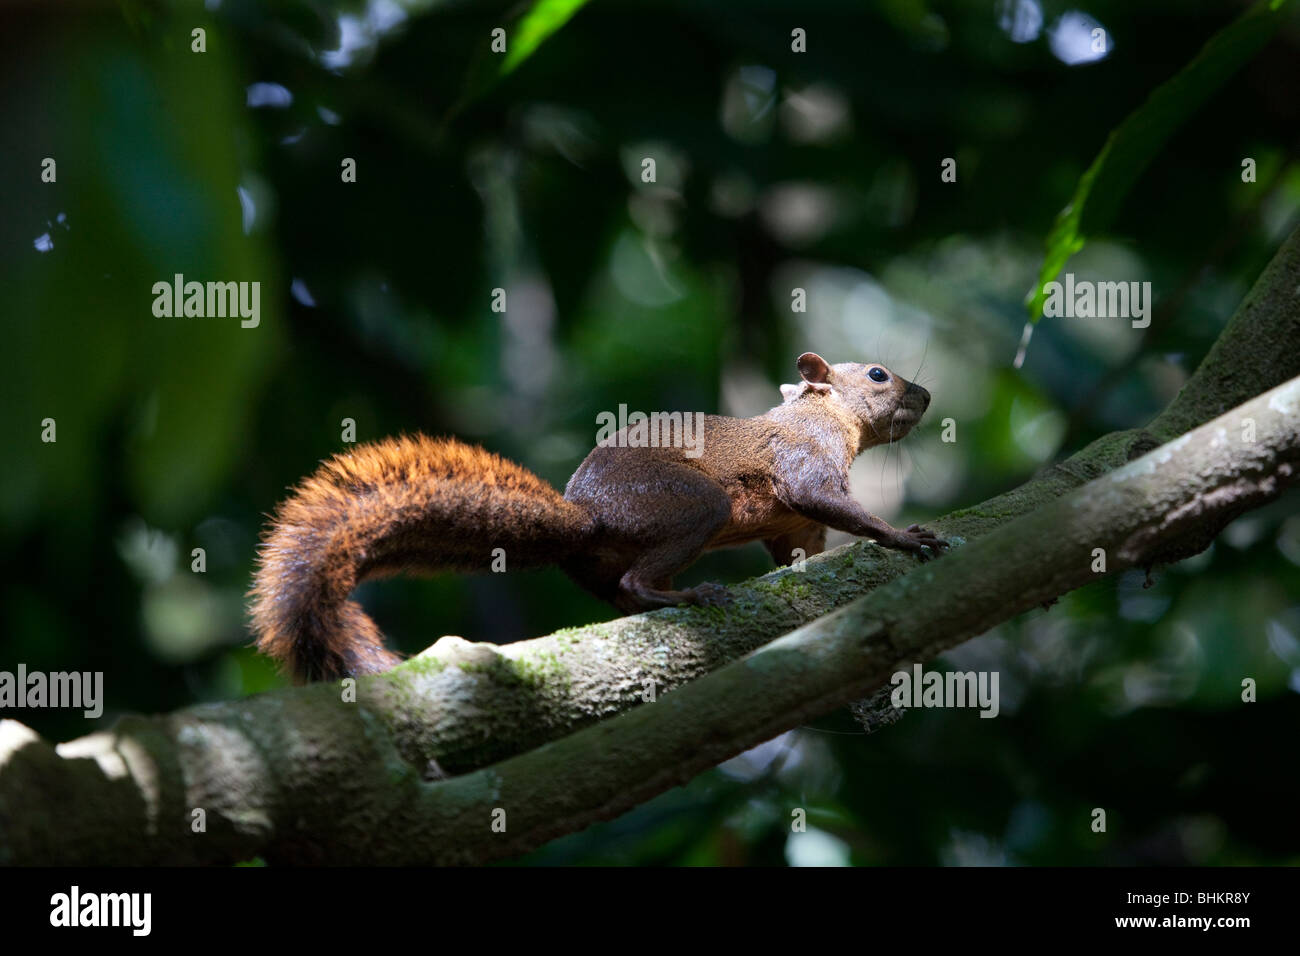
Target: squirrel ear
{"type": "Point", "coordinates": [813, 367]}
{"type": "Point", "coordinates": [789, 392]}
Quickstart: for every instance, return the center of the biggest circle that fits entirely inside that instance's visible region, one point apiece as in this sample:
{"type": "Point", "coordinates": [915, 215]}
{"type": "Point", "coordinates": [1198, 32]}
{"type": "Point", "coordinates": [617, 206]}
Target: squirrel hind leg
{"type": "Point", "coordinates": [647, 584]}
{"type": "Point", "coordinates": [635, 595]}
{"type": "Point", "coordinates": [660, 530]}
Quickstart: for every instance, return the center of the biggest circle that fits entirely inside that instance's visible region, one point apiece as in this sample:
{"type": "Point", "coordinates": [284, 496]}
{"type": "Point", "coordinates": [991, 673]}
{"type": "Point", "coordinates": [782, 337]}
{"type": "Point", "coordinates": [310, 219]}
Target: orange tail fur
{"type": "Point", "coordinates": [410, 504]}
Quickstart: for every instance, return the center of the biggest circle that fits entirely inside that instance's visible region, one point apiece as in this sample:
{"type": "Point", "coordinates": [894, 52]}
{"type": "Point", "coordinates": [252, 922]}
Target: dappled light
{"type": "Point", "coordinates": [244, 238]}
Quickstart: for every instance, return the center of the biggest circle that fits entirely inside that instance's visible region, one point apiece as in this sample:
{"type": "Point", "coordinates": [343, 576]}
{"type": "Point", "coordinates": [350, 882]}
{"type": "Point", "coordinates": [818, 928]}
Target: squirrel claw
{"type": "Point", "coordinates": [914, 538]}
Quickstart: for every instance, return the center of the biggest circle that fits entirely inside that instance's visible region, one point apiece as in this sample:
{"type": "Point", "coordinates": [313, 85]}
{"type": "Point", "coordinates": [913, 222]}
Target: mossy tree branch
{"type": "Point", "coordinates": [302, 775]}
{"type": "Point", "coordinates": [1152, 506]}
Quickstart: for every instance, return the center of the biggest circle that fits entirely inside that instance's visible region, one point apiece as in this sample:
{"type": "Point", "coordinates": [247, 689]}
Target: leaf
{"type": "Point", "coordinates": [487, 69]}
{"type": "Point", "coordinates": [1135, 142]}
{"type": "Point", "coordinates": [536, 26]}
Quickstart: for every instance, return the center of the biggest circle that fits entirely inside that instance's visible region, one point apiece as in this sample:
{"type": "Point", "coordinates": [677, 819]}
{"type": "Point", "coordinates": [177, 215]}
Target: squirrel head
{"type": "Point", "coordinates": [885, 405]}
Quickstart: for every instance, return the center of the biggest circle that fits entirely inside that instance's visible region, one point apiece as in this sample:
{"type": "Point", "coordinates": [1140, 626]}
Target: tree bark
{"type": "Point", "coordinates": [1153, 505]}
{"type": "Point", "coordinates": [301, 775]}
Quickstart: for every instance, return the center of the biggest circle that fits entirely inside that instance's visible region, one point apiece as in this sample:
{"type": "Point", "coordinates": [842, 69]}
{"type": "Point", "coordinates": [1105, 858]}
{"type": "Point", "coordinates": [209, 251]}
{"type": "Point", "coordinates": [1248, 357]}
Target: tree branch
{"type": "Point", "coordinates": [1144, 508]}
{"type": "Point", "coordinates": [300, 775]}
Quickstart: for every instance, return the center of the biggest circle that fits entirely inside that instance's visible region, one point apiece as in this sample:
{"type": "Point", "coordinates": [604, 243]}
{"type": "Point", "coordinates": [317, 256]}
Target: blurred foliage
{"type": "Point", "coordinates": [1135, 142]}
{"type": "Point", "coordinates": [775, 170]}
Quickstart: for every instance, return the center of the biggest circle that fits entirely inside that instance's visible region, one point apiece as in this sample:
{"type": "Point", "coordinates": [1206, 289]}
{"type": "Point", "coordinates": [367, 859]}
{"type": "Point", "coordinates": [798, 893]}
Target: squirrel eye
{"type": "Point", "coordinates": [878, 374]}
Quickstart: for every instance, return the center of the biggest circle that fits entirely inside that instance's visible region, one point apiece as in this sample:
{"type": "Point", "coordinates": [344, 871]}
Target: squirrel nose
{"type": "Point", "coordinates": [918, 392]}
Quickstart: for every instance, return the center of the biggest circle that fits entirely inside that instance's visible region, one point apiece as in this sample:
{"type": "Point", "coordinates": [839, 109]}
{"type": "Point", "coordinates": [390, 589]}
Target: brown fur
{"type": "Point", "coordinates": [630, 519]}
{"type": "Point", "coordinates": [412, 504]}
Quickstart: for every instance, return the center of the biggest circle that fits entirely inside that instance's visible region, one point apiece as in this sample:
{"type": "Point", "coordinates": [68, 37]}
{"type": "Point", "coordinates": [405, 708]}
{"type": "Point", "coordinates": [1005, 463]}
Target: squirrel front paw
{"type": "Point", "coordinates": [915, 539]}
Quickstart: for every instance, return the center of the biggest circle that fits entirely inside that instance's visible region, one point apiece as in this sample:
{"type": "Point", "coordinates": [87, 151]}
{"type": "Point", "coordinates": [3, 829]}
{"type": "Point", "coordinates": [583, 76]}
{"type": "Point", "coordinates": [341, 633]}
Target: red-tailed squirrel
{"type": "Point", "coordinates": [630, 517]}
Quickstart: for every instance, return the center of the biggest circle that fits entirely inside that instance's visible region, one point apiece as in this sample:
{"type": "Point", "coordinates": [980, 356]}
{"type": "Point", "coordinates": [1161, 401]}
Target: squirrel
{"type": "Point", "coordinates": [629, 520]}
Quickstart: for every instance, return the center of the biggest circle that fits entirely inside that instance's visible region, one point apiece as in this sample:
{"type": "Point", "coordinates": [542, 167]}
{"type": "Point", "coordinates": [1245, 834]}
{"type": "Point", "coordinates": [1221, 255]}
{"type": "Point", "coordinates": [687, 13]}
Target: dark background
{"type": "Point", "coordinates": [774, 170]}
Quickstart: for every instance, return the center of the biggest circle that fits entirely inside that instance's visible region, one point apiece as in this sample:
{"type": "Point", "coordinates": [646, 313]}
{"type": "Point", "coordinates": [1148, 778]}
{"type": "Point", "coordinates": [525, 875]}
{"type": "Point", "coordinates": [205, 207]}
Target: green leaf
{"type": "Point", "coordinates": [536, 26]}
{"type": "Point", "coordinates": [1135, 142]}
{"type": "Point", "coordinates": [487, 69]}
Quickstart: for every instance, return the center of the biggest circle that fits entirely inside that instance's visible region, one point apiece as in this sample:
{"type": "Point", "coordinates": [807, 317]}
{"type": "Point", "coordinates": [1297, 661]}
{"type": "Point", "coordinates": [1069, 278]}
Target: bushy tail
{"type": "Point", "coordinates": [410, 504]}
